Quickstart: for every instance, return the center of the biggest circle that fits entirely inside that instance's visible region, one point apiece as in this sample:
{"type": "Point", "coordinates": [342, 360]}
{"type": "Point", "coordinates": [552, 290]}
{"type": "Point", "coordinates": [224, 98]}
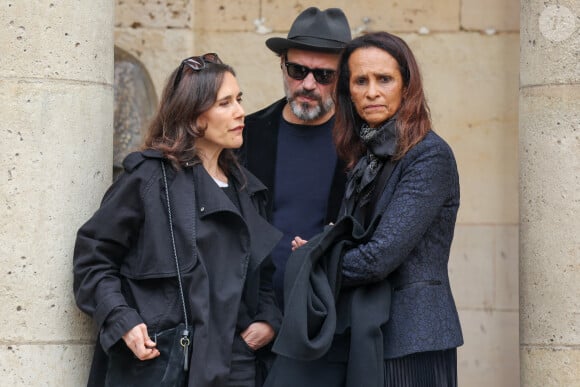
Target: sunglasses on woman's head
{"type": "Point", "coordinates": [196, 63]}
{"type": "Point", "coordinates": [299, 72]}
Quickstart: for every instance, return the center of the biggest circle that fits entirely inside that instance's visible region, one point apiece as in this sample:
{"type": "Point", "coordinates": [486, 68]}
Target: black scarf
{"type": "Point", "coordinates": [381, 144]}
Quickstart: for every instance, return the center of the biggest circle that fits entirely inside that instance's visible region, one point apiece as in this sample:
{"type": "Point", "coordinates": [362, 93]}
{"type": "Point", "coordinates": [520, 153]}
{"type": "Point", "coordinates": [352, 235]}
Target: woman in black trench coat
{"type": "Point", "coordinates": [183, 197]}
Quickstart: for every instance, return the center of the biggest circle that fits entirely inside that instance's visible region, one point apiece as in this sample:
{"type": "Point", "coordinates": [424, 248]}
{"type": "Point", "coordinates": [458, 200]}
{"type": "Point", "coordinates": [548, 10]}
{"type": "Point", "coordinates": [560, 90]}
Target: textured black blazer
{"type": "Point", "coordinates": [410, 249]}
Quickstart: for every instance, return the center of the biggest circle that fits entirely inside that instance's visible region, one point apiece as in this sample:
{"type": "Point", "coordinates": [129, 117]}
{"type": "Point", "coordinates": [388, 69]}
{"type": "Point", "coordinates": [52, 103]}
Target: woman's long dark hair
{"type": "Point", "coordinates": [173, 130]}
{"type": "Point", "coordinates": [413, 117]}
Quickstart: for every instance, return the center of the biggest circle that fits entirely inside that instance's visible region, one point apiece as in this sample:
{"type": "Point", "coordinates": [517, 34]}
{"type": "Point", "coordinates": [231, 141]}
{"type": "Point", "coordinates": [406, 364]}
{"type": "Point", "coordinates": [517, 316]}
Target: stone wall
{"type": "Point", "coordinates": [56, 104]}
{"type": "Point", "coordinates": [549, 144]}
{"type": "Point", "coordinates": [469, 54]}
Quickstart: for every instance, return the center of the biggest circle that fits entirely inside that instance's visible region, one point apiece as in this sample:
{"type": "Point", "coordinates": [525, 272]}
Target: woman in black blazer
{"type": "Point", "coordinates": [404, 185]}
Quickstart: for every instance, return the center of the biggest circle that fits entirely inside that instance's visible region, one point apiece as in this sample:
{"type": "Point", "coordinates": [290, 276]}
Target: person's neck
{"type": "Point", "coordinates": [290, 117]}
{"type": "Point", "coordinates": [211, 165]}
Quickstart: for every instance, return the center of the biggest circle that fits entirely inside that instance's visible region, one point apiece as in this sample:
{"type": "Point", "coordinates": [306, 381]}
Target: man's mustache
{"type": "Point", "coordinates": [308, 94]}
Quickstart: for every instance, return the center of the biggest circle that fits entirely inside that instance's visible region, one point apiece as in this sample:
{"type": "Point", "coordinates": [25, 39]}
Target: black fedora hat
{"type": "Point", "coordinates": [315, 30]}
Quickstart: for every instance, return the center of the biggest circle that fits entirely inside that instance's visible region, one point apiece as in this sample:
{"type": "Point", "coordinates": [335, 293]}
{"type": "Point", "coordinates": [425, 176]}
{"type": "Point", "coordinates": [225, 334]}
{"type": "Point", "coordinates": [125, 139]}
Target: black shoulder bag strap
{"type": "Point", "coordinates": [185, 341]}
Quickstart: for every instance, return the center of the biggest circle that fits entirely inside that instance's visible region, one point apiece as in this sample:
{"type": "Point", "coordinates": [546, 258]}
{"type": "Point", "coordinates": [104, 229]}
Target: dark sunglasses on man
{"type": "Point", "coordinates": [299, 72]}
{"type": "Point", "coordinates": [196, 63]}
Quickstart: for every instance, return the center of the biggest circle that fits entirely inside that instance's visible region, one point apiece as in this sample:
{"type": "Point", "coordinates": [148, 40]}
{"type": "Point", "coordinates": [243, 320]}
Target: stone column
{"type": "Point", "coordinates": [550, 193]}
{"type": "Point", "coordinates": [56, 125]}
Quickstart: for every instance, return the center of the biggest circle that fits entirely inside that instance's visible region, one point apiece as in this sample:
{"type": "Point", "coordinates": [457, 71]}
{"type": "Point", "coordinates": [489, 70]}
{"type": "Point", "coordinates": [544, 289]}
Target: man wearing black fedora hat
{"type": "Point", "coordinates": [288, 145]}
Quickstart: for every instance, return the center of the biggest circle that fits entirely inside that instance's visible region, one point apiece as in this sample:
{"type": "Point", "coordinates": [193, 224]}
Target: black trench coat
{"type": "Point", "coordinates": [124, 270]}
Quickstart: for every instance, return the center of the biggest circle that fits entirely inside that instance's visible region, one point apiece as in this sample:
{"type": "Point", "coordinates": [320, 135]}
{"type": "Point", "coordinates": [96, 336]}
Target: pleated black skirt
{"type": "Point", "coordinates": [424, 369]}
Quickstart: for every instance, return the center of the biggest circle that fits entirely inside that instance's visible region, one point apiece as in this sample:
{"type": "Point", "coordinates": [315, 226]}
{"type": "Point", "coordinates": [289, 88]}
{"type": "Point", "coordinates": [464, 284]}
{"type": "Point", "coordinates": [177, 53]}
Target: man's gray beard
{"type": "Point", "coordinates": [305, 112]}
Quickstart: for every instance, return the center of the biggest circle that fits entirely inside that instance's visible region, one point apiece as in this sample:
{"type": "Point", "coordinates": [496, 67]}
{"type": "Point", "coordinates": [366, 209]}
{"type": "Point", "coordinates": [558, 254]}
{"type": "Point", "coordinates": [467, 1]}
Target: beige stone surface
{"type": "Point", "coordinates": [161, 51]}
{"type": "Point", "coordinates": [550, 42]}
{"type": "Point", "coordinates": [471, 82]}
{"type": "Point", "coordinates": [154, 14]}
{"type": "Point", "coordinates": [49, 47]}
{"type": "Point", "coordinates": [549, 240]}
{"type": "Point", "coordinates": [56, 104]}
{"type": "Point", "coordinates": [491, 15]}
{"type": "Point", "coordinates": [226, 15]}
{"type": "Point", "coordinates": [400, 16]}
{"type": "Point", "coordinates": [489, 356]}
{"type": "Point", "coordinates": [549, 194]}
{"type": "Point", "coordinates": [506, 275]}
{"type": "Point", "coordinates": [550, 367]}
{"type": "Point", "coordinates": [45, 365]}
{"type": "Point", "coordinates": [257, 68]}
{"type": "Point", "coordinates": [483, 271]}
{"type": "Point", "coordinates": [487, 162]}
{"type": "Point", "coordinates": [472, 267]}
{"type": "Point", "coordinates": [483, 267]}
{"type": "Point", "coordinates": [52, 153]}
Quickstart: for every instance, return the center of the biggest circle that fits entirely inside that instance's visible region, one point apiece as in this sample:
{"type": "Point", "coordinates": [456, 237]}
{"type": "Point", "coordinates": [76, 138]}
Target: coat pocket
{"type": "Point", "coordinates": [156, 263]}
